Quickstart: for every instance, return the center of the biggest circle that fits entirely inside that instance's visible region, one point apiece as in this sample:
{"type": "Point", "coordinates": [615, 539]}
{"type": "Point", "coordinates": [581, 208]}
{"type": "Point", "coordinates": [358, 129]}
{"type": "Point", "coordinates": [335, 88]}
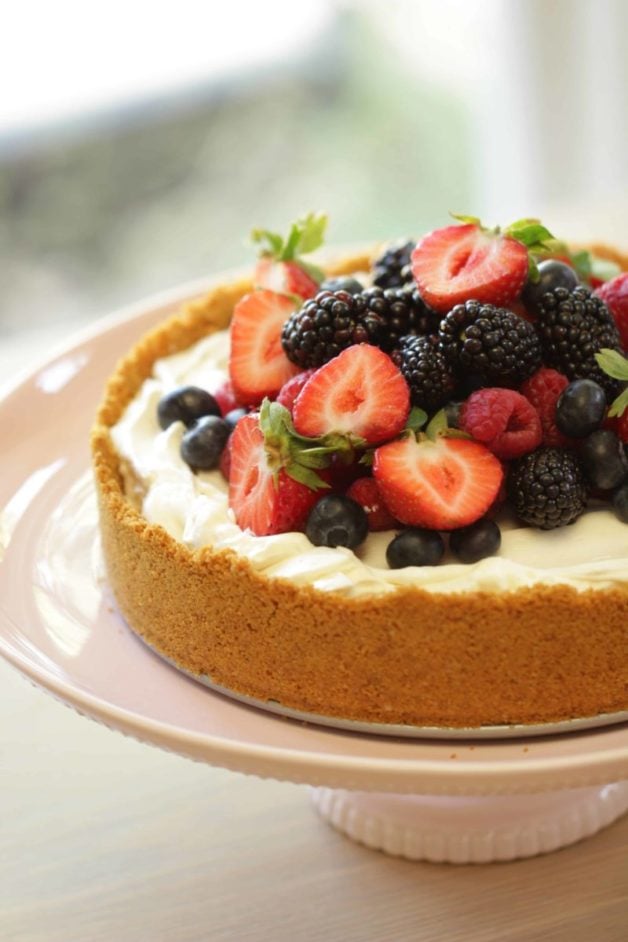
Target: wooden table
{"type": "Point", "coordinates": [104, 839]}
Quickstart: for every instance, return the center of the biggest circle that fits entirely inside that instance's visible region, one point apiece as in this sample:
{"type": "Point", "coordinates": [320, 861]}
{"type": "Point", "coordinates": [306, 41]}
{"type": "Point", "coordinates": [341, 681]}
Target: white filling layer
{"type": "Point", "coordinates": [591, 553]}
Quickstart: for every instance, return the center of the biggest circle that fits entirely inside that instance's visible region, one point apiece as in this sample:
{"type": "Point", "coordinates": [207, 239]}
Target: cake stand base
{"type": "Point", "coordinates": [463, 830]}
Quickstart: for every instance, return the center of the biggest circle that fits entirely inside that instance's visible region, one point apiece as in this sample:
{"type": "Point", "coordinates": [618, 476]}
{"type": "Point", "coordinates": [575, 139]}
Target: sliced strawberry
{"type": "Point", "coordinates": [264, 501]}
{"type": "Point", "coordinates": [284, 277]}
{"type": "Point", "coordinates": [614, 293]}
{"type": "Point", "coordinates": [290, 390]}
{"type": "Point", "coordinates": [443, 484]}
{"type": "Point", "coordinates": [454, 264]}
{"type": "Point", "coordinates": [258, 367]}
{"type": "Point", "coordinates": [360, 393]}
{"type": "Point", "coordinates": [366, 492]}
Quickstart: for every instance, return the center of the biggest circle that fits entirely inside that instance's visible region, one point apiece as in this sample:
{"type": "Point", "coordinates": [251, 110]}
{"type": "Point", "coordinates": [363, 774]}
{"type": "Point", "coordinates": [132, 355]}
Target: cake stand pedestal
{"type": "Point", "coordinates": [433, 799]}
{"type": "Point", "coordinates": [464, 830]}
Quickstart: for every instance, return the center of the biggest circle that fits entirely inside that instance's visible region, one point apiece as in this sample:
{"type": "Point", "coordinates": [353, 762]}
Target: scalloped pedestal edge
{"type": "Point", "coordinates": [464, 830]}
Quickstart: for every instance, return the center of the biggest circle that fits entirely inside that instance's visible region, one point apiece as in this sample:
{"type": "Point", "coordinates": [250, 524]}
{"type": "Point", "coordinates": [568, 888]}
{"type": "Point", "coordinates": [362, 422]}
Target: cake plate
{"type": "Point", "coordinates": [463, 800]}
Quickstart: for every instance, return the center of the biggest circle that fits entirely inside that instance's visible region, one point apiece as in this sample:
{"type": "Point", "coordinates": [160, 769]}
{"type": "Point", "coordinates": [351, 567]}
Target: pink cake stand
{"type": "Point", "coordinates": [464, 800]}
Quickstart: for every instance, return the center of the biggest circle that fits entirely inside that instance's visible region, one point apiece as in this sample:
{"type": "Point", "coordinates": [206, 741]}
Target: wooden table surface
{"type": "Point", "coordinates": [103, 839]}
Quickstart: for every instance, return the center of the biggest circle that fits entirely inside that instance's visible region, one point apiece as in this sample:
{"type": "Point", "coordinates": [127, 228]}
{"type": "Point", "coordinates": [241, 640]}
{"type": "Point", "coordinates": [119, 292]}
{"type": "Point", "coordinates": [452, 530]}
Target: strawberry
{"type": "Point", "coordinates": [359, 394]}
{"type": "Point", "coordinates": [442, 484]}
{"type": "Point", "coordinates": [290, 390]}
{"type": "Point", "coordinates": [614, 293]}
{"type": "Point", "coordinates": [272, 484]}
{"type": "Point", "coordinates": [281, 267]}
{"type": "Point", "coordinates": [258, 367]}
{"type": "Point", "coordinates": [460, 262]}
{"type": "Point", "coordinates": [284, 277]}
{"type": "Point", "coordinates": [366, 492]}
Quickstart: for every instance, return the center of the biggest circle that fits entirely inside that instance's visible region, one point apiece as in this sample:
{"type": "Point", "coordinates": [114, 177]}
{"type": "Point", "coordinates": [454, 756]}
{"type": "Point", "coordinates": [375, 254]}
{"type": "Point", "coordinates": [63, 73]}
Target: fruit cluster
{"type": "Point", "coordinates": [476, 369]}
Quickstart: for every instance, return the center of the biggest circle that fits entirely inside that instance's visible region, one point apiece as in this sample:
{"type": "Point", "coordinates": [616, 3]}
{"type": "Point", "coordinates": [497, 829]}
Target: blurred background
{"type": "Point", "coordinates": [141, 141]}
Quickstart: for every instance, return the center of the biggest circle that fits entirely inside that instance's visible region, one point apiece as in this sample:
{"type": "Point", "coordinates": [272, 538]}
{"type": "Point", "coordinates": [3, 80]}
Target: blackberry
{"type": "Point", "coordinates": [574, 326]}
{"type": "Point", "coordinates": [426, 372]}
{"type": "Point", "coordinates": [392, 268]}
{"type": "Point", "coordinates": [547, 488]}
{"type": "Point", "coordinates": [490, 343]}
{"type": "Point", "coordinates": [403, 313]}
{"type": "Point", "coordinates": [326, 325]}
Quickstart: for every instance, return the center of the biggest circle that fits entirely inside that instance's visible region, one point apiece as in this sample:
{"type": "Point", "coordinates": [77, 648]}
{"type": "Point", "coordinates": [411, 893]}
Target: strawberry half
{"type": "Point", "coordinates": [281, 267]}
{"type": "Point", "coordinates": [460, 262]}
{"type": "Point", "coordinates": [272, 481]}
{"type": "Point", "coordinates": [359, 394]}
{"type": "Point", "coordinates": [284, 277]}
{"type": "Point", "coordinates": [442, 484]}
{"type": "Point", "coordinates": [258, 367]}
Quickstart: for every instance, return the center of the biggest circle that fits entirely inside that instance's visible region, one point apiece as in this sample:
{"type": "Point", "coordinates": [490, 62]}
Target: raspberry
{"type": "Point", "coordinates": [542, 390]}
{"type": "Point", "coordinates": [366, 492]}
{"type": "Point", "coordinates": [503, 420]}
{"type": "Point", "coordinates": [622, 426]}
{"type": "Point", "coordinates": [290, 390]}
{"type": "Point", "coordinates": [615, 295]}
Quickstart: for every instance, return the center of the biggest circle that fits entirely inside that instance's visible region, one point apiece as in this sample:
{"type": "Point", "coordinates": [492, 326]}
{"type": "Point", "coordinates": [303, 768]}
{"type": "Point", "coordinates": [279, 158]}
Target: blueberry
{"type": "Point", "coordinates": [552, 274]}
{"type": "Point", "coordinates": [350, 285]}
{"type": "Point", "coordinates": [580, 408]}
{"type": "Point", "coordinates": [234, 416]}
{"type": "Point", "coordinates": [185, 404]}
{"type": "Point", "coordinates": [604, 459]}
{"type": "Point", "coordinates": [415, 547]}
{"type": "Point", "coordinates": [202, 444]}
{"type": "Point", "coordinates": [336, 521]}
{"type": "Point", "coordinates": [620, 503]}
{"type": "Point", "coordinates": [476, 541]}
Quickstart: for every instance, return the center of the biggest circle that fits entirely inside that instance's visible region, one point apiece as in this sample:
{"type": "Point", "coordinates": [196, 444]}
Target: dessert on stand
{"type": "Point", "coordinates": [464, 786]}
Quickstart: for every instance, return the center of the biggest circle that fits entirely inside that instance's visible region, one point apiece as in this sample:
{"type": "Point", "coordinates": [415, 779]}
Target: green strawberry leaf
{"type": "Point", "coordinates": [531, 232]}
{"type": "Point", "coordinates": [274, 240]}
{"type": "Point", "coordinates": [604, 268]}
{"type": "Point", "coordinates": [619, 405]}
{"type": "Point", "coordinates": [416, 419]}
{"type": "Point", "coordinates": [305, 235]}
{"type": "Point", "coordinates": [438, 425]}
{"type": "Point", "coordinates": [613, 363]}
{"type": "Point", "coordinates": [311, 232]}
{"type": "Point", "coordinates": [306, 476]}
{"type": "Point", "coordinates": [467, 220]}
{"type": "Point", "coordinates": [367, 458]}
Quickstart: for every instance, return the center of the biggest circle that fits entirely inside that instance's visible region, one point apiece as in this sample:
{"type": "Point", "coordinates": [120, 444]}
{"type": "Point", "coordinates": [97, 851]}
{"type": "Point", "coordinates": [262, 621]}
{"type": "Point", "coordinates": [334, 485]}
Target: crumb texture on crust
{"type": "Point", "coordinates": [531, 656]}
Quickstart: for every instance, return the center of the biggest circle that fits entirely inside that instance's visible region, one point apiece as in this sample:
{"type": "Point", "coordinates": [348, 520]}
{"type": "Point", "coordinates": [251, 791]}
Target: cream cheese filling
{"type": "Point", "coordinates": [592, 553]}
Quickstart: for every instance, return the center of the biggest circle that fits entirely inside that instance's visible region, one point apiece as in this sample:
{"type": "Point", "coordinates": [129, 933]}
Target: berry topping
{"type": "Point", "coordinates": [491, 343]}
{"type": "Point", "coordinates": [614, 293]}
{"type": "Point", "coordinates": [185, 404]}
{"type": "Point", "coordinates": [359, 394]}
{"type": "Point", "coordinates": [365, 491]}
{"type": "Point", "coordinates": [552, 273]}
{"type": "Point", "coordinates": [481, 539]}
{"type": "Point", "coordinates": [328, 324]}
{"type": "Point", "coordinates": [604, 459]}
{"type": "Point", "coordinates": [258, 366]}
{"type": "Point", "coordinates": [622, 426]}
{"type": "Point", "coordinates": [336, 521]}
{"type": "Point", "coordinates": [226, 397]}
{"type": "Point", "coordinates": [580, 408]}
{"type": "Point", "coordinates": [442, 484]}
{"type": "Point", "coordinates": [415, 547]}
{"type": "Point", "coordinates": [281, 267]}
{"type": "Point", "coordinates": [391, 268]}
{"type": "Point", "coordinates": [456, 263]}
{"type": "Point", "coordinates": [620, 503]}
{"type": "Point", "coordinates": [504, 420]}
{"type": "Point", "coordinates": [574, 326]}
{"type": "Point", "coordinates": [547, 488]}
{"type": "Point", "coordinates": [202, 444]}
{"type": "Point", "coordinates": [342, 283]}
{"type": "Point", "coordinates": [402, 312]}
{"type": "Point", "coordinates": [234, 416]}
{"type": "Point", "coordinates": [262, 494]}
{"type": "Point", "coordinates": [426, 372]}
{"type": "Point", "coordinates": [542, 389]}
{"type": "Point", "coordinates": [290, 390]}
